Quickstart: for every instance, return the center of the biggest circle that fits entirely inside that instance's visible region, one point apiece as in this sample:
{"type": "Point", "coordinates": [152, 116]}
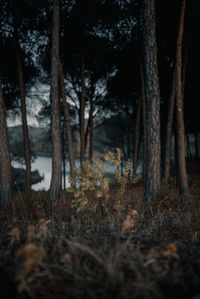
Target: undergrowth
{"type": "Point", "coordinates": [86, 245]}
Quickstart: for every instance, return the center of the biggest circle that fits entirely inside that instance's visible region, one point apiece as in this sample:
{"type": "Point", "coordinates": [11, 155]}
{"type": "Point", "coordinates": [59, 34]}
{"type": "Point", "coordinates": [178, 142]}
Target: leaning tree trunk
{"type": "Point", "coordinates": [82, 109]}
{"type": "Point", "coordinates": [56, 179]}
{"type": "Point", "coordinates": [179, 108]}
{"type": "Point", "coordinates": [152, 176]}
{"type": "Point", "coordinates": [5, 162]}
{"type": "Point", "coordinates": [136, 130]}
{"type": "Point", "coordinates": [67, 120]}
{"type": "Point", "coordinates": [27, 155]}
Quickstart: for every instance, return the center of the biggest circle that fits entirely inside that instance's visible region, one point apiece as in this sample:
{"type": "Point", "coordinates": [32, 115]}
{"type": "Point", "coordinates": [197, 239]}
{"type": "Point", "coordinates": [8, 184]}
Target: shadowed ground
{"type": "Point", "coordinates": [48, 250]}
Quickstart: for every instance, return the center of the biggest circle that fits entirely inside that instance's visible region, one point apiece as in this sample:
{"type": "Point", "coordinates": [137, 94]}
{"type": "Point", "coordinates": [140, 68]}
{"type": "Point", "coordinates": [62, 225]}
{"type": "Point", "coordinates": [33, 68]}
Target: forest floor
{"type": "Point", "coordinates": [144, 250]}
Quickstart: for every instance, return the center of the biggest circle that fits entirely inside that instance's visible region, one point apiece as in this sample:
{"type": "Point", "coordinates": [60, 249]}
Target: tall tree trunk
{"type": "Point", "coordinates": [152, 176]}
{"type": "Point", "coordinates": [184, 72]}
{"type": "Point", "coordinates": [127, 124]}
{"type": "Point", "coordinates": [91, 131]}
{"type": "Point", "coordinates": [196, 146]}
{"type": "Point", "coordinates": [63, 155]}
{"type": "Point", "coordinates": [176, 159]}
{"type": "Point", "coordinates": [90, 128]}
{"type": "Point", "coordinates": [67, 120]}
{"type": "Point", "coordinates": [136, 130]}
{"type": "Point", "coordinates": [188, 145]}
{"type": "Point", "coordinates": [179, 108]}
{"type": "Point", "coordinates": [66, 110]}
{"type": "Point", "coordinates": [143, 98]}
{"type": "Point", "coordinates": [87, 133]}
{"type": "Point", "coordinates": [24, 122]}
{"type": "Point", "coordinates": [168, 135]}
{"type": "Point", "coordinates": [5, 162]}
{"type": "Point", "coordinates": [56, 179]}
{"type": "Point", "coordinates": [82, 108]}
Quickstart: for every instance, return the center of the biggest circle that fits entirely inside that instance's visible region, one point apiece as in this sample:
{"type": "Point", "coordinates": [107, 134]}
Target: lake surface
{"type": "Point", "coordinates": [44, 166]}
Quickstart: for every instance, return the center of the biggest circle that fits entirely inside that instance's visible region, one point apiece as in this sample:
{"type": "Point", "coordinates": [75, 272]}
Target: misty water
{"type": "Point", "coordinates": [44, 166]}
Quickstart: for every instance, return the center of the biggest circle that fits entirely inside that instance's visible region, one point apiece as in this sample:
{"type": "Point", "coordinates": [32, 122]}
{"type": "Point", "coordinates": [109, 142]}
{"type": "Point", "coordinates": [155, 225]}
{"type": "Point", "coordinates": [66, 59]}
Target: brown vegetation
{"type": "Point", "coordinates": [148, 250]}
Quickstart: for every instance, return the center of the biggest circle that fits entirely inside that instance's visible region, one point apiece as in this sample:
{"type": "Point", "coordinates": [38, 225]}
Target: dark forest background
{"type": "Point", "coordinates": [111, 83]}
{"type": "Point", "coordinates": [95, 56]}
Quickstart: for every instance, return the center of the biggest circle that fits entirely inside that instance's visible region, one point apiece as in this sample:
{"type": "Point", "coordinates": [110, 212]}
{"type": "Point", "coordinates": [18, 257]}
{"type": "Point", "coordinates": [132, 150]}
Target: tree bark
{"type": "Point", "coordinates": [136, 130]}
{"type": "Point", "coordinates": [91, 130]}
{"type": "Point", "coordinates": [143, 98]}
{"type": "Point", "coordinates": [24, 122]}
{"type": "Point", "coordinates": [152, 176]}
{"type": "Point", "coordinates": [179, 109]}
{"type": "Point", "coordinates": [87, 133]}
{"type": "Point", "coordinates": [56, 179]}
{"type": "Point", "coordinates": [188, 145]}
{"type": "Point", "coordinates": [5, 161]}
{"type": "Point", "coordinates": [168, 135]}
{"type": "Point", "coordinates": [127, 139]}
{"type": "Point", "coordinates": [176, 159]}
{"type": "Point", "coordinates": [63, 156]}
{"type": "Point", "coordinates": [196, 146]}
{"type": "Point", "coordinates": [67, 120]}
{"type": "Point", "coordinates": [82, 109]}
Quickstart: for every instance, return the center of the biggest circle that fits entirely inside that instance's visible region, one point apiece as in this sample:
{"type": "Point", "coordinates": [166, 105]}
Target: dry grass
{"type": "Point", "coordinates": [48, 250]}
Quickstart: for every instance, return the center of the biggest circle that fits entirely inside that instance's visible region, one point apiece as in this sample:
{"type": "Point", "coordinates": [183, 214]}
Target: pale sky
{"type": "Point", "coordinates": [38, 93]}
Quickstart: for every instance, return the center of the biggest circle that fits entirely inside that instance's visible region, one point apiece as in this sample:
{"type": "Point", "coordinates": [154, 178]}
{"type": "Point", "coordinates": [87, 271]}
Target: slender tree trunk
{"type": "Point", "coordinates": [196, 146]}
{"type": "Point", "coordinates": [87, 131]}
{"type": "Point", "coordinates": [56, 179]}
{"type": "Point", "coordinates": [5, 161]}
{"type": "Point", "coordinates": [128, 132]}
{"type": "Point", "coordinates": [152, 176]}
{"type": "Point", "coordinates": [179, 109]}
{"type": "Point", "coordinates": [143, 98]}
{"type": "Point", "coordinates": [67, 120]}
{"type": "Point", "coordinates": [63, 155]}
{"type": "Point", "coordinates": [24, 123]}
{"type": "Point", "coordinates": [27, 155]}
{"type": "Point", "coordinates": [91, 131]}
{"type": "Point", "coordinates": [167, 153]}
{"type": "Point", "coordinates": [189, 151]}
{"type": "Point", "coordinates": [82, 109]}
{"type": "Point", "coordinates": [136, 136]}
{"type": "Point", "coordinates": [176, 159]}
{"type": "Point", "coordinates": [187, 144]}
{"type": "Point", "coordinates": [128, 138]}
{"type": "Point", "coordinates": [90, 128]}
{"type": "Point", "coordinates": [184, 72]}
